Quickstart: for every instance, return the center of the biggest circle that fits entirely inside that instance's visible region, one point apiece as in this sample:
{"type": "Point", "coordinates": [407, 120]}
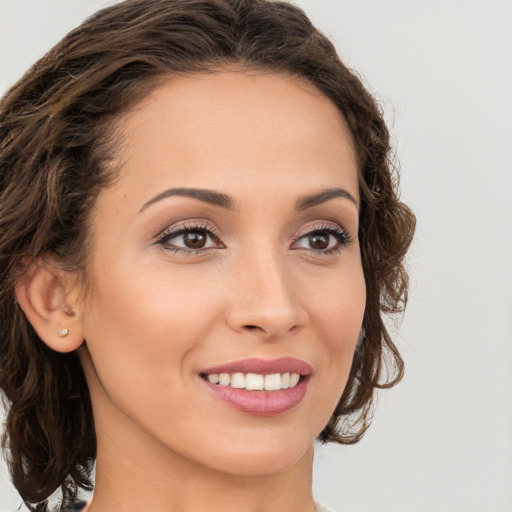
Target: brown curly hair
{"type": "Point", "coordinates": [54, 154]}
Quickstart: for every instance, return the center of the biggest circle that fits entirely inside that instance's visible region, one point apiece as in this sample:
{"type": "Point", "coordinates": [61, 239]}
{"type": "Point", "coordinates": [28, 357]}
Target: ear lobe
{"type": "Point", "coordinates": [42, 294]}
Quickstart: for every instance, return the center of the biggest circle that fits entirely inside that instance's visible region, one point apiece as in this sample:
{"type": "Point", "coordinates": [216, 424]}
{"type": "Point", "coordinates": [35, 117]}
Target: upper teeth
{"type": "Point", "coordinates": [255, 381]}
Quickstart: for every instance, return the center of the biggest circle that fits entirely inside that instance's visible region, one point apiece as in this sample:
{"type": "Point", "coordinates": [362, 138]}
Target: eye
{"type": "Point", "coordinates": [325, 239]}
{"type": "Point", "coordinates": [189, 239]}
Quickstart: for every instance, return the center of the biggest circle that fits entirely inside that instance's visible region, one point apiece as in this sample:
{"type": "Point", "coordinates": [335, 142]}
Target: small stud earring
{"type": "Point", "coordinates": [62, 333]}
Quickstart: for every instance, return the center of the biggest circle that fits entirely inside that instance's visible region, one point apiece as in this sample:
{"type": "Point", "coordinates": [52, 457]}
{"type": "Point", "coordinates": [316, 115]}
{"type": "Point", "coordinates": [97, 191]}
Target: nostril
{"type": "Point", "coordinates": [251, 327]}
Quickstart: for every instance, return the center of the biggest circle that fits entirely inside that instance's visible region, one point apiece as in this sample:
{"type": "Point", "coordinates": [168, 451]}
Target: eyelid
{"type": "Point", "coordinates": [323, 225]}
{"type": "Point", "coordinates": [187, 226]}
{"type": "Point", "coordinates": [327, 226]}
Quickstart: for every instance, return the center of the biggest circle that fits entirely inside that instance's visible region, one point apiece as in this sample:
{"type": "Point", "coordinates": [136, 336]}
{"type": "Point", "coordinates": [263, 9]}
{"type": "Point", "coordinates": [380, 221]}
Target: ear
{"type": "Point", "coordinates": [45, 294]}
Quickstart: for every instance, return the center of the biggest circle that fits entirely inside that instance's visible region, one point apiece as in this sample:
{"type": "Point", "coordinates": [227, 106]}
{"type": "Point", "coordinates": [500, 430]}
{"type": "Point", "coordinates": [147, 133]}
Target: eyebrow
{"type": "Point", "coordinates": [208, 196]}
{"type": "Point", "coordinates": [327, 194]}
{"type": "Point", "coordinates": [225, 201]}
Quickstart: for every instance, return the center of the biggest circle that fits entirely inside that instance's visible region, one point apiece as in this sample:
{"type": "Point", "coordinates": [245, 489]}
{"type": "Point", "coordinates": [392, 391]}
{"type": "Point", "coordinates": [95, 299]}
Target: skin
{"type": "Point", "coordinates": [156, 314]}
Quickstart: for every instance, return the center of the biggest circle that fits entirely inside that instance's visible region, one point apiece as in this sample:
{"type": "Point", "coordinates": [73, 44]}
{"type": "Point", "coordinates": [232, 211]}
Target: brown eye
{"type": "Point", "coordinates": [319, 241]}
{"type": "Point", "coordinates": [190, 239]}
{"type": "Point", "coordinates": [323, 240]}
{"type": "Point", "coordinates": [195, 239]}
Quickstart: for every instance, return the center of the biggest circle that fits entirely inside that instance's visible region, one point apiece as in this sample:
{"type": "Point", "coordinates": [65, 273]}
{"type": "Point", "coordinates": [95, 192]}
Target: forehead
{"type": "Point", "coordinates": [217, 130]}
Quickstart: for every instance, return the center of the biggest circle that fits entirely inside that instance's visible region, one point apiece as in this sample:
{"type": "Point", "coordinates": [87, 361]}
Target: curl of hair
{"type": "Point", "coordinates": [57, 139]}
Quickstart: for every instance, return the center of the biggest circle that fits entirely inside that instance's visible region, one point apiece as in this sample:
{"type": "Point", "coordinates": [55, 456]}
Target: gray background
{"type": "Point", "coordinates": [442, 440]}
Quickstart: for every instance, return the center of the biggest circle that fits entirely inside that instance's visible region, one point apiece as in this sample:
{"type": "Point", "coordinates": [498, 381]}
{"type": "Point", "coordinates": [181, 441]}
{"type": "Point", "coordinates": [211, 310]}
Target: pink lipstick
{"type": "Point", "coordinates": [259, 387]}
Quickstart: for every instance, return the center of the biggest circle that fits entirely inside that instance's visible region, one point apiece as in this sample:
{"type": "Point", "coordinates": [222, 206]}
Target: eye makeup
{"type": "Point", "coordinates": [325, 238]}
{"type": "Point", "coordinates": [190, 238]}
{"type": "Point", "coordinates": [197, 237]}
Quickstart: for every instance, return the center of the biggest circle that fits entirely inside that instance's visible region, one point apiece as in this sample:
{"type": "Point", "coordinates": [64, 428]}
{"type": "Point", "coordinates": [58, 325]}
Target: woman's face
{"type": "Point", "coordinates": [225, 259]}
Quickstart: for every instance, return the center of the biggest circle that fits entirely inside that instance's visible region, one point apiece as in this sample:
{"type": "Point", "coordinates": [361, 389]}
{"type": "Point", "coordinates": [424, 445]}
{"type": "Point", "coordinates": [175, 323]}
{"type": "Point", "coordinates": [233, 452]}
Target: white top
{"type": "Point", "coordinates": [322, 508]}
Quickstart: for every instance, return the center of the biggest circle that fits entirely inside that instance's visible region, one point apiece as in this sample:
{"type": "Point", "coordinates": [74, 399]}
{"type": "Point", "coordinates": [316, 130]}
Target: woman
{"type": "Point", "coordinates": [200, 231]}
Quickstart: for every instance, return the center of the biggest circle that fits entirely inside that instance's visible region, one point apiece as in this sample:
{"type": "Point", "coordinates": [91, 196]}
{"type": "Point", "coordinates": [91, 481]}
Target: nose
{"type": "Point", "coordinates": [265, 299]}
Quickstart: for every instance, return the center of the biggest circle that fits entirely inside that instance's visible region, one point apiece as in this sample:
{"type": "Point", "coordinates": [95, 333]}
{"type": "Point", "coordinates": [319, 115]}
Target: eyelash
{"type": "Point", "coordinates": [169, 234]}
{"type": "Point", "coordinates": [342, 237]}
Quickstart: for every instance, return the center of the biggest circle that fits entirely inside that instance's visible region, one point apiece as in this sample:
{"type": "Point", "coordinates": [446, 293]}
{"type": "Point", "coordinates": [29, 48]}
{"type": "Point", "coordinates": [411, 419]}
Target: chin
{"type": "Point", "coordinates": [262, 457]}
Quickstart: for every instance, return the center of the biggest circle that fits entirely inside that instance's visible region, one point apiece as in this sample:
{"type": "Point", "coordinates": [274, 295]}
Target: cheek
{"type": "Point", "coordinates": [149, 306]}
{"type": "Point", "coordinates": [338, 315]}
{"type": "Point", "coordinates": [141, 328]}
{"type": "Point", "coordinates": [338, 302]}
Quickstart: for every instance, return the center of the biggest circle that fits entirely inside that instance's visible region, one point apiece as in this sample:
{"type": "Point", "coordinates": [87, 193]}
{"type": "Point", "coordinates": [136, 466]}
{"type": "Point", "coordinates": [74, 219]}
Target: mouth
{"type": "Point", "coordinates": [259, 387]}
{"type": "Point", "coordinates": [254, 381]}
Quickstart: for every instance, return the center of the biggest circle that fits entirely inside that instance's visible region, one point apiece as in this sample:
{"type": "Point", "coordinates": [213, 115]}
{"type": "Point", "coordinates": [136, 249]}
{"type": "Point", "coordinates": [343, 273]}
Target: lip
{"type": "Point", "coordinates": [261, 403]}
{"type": "Point", "coordinates": [263, 366]}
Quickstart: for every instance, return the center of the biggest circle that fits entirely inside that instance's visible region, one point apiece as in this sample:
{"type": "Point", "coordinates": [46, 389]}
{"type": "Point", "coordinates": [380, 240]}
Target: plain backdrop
{"type": "Point", "coordinates": [442, 440]}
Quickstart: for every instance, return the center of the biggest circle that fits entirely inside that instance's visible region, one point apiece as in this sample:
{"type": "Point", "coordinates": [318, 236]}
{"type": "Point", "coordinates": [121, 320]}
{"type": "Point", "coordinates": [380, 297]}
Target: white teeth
{"type": "Point", "coordinates": [213, 378]}
{"type": "Point", "coordinates": [255, 381]}
{"type": "Point", "coordinates": [238, 380]}
{"type": "Point", "coordinates": [224, 379]}
{"type": "Point", "coordinates": [272, 382]}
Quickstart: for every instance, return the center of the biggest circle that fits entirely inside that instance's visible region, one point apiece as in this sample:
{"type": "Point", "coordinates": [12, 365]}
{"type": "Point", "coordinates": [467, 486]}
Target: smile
{"type": "Point", "coordinates": [255, 381]}
{"type": "Point", "coordinates": [258, 387]}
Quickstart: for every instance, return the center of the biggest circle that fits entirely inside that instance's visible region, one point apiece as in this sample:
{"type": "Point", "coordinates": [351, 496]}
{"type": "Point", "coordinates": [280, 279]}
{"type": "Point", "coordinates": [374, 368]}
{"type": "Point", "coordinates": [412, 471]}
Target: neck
{"type": "Point", "coordinates": [152, 483]}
